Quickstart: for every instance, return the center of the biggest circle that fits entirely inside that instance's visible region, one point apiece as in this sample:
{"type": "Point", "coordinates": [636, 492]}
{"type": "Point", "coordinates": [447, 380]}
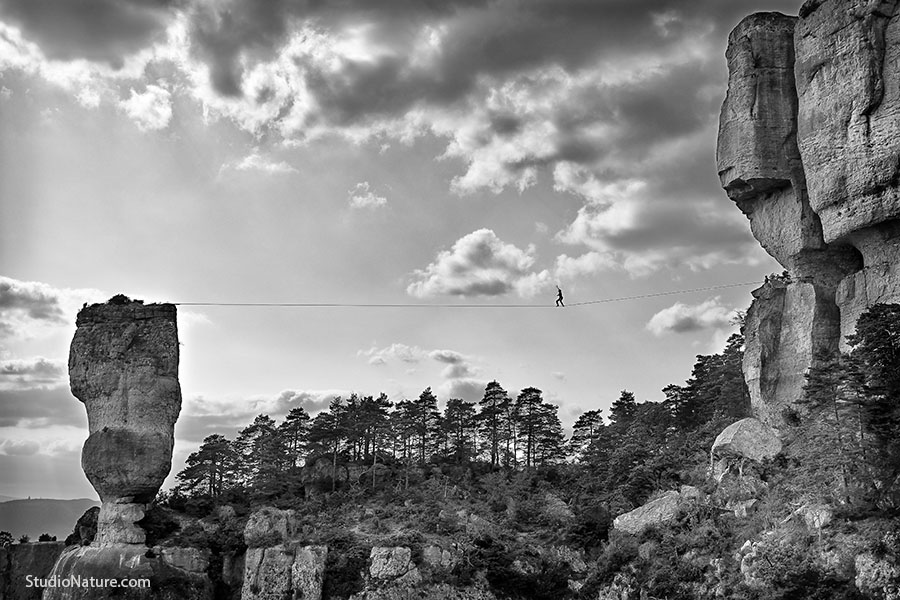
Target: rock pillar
{"type": "Point", "coordinates": [123, 365]}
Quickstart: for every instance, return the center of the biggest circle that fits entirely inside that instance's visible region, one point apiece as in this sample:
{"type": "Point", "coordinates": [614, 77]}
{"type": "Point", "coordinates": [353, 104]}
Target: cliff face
{"type": "Point", "coordinates": [808, 150]}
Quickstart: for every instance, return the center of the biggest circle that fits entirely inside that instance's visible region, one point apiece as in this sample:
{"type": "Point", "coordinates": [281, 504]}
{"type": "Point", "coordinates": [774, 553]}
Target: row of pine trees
{"type": "Point", "coordinates": [499, 432]}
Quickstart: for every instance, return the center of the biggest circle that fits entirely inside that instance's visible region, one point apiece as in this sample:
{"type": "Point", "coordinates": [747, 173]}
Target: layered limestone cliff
{"type": "Point", "coordinates": [123, 365]}
{"type": "Point", "coordinates": [808, 150]}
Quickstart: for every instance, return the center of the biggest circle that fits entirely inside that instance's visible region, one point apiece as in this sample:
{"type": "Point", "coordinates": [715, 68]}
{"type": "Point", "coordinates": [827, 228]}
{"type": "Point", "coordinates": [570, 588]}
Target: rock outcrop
{"type": "Point", "coordinates": [275, 566]}
{"type": "Point", "coordinates": [123, 365]}
{"type": "Point", "coordinates": [808, 150]}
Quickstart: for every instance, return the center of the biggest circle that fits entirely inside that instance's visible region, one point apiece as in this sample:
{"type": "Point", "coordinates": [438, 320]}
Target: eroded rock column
{"type": "Point", "coordinates": [793, 317]}
{"type": "Point", "coordinates": [123, 365]}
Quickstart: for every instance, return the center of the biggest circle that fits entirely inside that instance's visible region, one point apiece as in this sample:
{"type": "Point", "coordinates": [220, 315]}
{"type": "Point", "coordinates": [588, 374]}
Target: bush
{"type": "Point", "coordinates": [346, 561]}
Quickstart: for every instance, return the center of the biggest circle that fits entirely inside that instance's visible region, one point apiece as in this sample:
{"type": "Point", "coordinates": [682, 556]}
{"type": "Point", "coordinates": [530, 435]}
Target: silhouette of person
{"type": "Point", "coordinates": [559, 297]}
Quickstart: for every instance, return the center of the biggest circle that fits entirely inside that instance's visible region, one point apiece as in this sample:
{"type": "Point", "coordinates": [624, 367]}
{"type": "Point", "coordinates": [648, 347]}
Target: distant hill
{"type": "Point", "coordinates": [36, 516]}
{"type": "Point", "coordinates": [7, 498]}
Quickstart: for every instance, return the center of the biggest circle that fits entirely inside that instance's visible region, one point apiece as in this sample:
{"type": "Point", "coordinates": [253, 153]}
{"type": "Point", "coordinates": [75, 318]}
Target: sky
{"type": "Point", "coordinates": [398, 152]}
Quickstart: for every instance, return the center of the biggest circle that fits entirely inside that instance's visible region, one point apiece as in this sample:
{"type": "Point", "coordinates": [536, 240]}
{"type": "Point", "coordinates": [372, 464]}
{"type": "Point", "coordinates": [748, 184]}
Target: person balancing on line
{"type": "Point", "coordinates": [559, 297]}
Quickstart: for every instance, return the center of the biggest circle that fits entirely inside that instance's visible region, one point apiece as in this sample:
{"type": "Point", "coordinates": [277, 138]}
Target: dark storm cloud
{"type": "Point", "coordinates": [97, 30]}
{"type": "Point", "coordinates": [39, 407]}
{"type": "Point", "coordinates": [493, 38]}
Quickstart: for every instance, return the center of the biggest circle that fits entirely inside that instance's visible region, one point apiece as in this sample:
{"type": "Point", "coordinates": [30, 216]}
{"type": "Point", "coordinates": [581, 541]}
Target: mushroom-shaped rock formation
{"type": "Point", "coordinates": [123, 365]}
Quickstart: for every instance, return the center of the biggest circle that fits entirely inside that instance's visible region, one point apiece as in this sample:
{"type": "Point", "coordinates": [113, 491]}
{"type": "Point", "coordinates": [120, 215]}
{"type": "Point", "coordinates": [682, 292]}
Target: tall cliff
{"type": "Point", "coordinates": [809, 152]}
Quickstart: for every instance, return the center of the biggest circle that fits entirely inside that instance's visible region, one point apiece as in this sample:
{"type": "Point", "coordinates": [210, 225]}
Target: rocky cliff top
{"type": "Point", "coordinates": [120, 313]}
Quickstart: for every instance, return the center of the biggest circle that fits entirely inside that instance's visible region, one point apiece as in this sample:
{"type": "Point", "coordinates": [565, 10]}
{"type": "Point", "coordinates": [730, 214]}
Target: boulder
{"type": "Point", "coordinates": [269, 526]}
{"type": "Point", "coordinates": [663, 509]}
{"type": "Point", "coordinates": [393, 564]}
{"type": "Point", "coordinates": [85, 528]}
{"type": "Point", "coordinates": [748, 438]}
{"type": "Point", "coordinates": [815, 516]}
{"type": "Point", "coordinates": [438, 558]}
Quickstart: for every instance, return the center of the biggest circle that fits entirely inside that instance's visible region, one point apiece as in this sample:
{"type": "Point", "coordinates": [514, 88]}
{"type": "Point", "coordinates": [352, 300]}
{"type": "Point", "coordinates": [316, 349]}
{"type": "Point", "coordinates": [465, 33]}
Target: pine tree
{"type": "Point", "coordinates": [587, 430]}
{"type": "Point", "coordinates": [261, 455]}
{"type": "Point", "coordinates": [532, 420]}
{"type": "Point", "coordinates": [294, 431]}
{"type": "Point", "coordinates": [426, 423]}
{"type": "Point", "coordinates": [874, 366]}
{"type": "Point", "coordinates": [375, 421]}
{"type": "Point", "coordinates": [328, 434]}
{"type": "Point", "coordinates": [622, 410]}
{"type": "Point", "coordinates": [459, 426]}
{"type": "Point", "coordinates": [551, 441]}
{"type": "Point", "coordinates": [209, 469]}
{"type": "Point", "coordinates": [493, 408]}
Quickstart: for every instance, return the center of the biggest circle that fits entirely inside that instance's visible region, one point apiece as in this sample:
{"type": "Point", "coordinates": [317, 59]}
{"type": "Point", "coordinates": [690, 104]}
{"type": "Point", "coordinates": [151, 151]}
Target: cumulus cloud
{"type": "Point", "coordinates": [363, 197]}
{"type": "Point", "coordinates": [28, 307]}
{"type": "Point", "coordinates": [202, 416]}
{"type": "Point", "coordinates": [32, 372]}
{"type": "Point", "coordinates": [401, 352]}
{"type": "Point", "coordinates": [19, 447]}
{"type": "Point", "coordinates": [150, 110]}
{"type": "Point", "coordinates": [458, 365]}
{"type": "Point", "coordinates": [480, 264]}
{"type": "Point", "coordinates": [683, 318]}
{"type": "Point", "coordinates": [256, 161]}
{"type": "Point", "coordinates": [616, 99]}
{"type": "Point", "coordinates": [469, 389]}
{"type": "Point", "coordinates": [573, 267]}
